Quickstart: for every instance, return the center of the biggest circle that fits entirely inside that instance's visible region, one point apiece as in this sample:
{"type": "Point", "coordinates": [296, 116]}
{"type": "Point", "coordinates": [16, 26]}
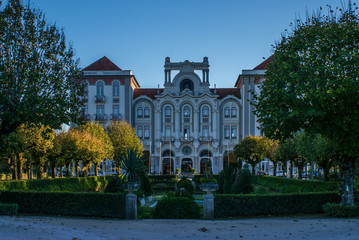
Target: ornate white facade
{"type": "Point", "coordinates": [186, 124]}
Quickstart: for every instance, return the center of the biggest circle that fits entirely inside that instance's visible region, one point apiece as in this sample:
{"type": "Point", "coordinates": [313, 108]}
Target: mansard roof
{"type": "Point", "coordinates": [152, 92]}
{"type": "Point", "coordinates": [264, 64]}
{"type": "Point", "coordinates": [103, 64]}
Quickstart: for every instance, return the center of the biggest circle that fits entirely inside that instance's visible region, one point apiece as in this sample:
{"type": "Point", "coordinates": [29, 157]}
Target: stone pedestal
{"type": "Point", "coordinates": [208, 206]}
{"type": "Point", "coordinates": [131, 206]}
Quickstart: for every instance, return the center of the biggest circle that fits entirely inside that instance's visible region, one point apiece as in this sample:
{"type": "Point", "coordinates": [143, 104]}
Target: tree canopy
{"type": "Point", "coordinates": [313, 84]}
{"type": "Point", "coordinates": [38, 72]}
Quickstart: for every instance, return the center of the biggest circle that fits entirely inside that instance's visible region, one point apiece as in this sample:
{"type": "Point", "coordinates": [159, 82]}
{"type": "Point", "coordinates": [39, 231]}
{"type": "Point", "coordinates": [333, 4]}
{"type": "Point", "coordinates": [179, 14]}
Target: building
{"type": "Point", "coordinates": [187, 123]}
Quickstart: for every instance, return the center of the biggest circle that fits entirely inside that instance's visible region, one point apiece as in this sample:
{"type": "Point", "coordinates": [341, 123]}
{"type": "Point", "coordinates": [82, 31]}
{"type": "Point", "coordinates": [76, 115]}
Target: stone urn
{"type": "Point", "coordinates": [209, 187]}
{"type": "Point", "coordinates": [131, 187]}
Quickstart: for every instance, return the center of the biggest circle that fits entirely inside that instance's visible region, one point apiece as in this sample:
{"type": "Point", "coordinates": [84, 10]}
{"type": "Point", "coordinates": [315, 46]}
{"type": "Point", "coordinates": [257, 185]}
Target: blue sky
{"type": "Point", "coordinates": [137, 35]}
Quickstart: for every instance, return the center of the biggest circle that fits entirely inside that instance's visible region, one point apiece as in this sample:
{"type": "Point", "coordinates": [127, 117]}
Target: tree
{"type": "Point", "coordinates": [251, 149]}
{"type": "Point", "coordinates": [271, 153]}
{"type": "Point", "coordinates": [304, 146]}
{"type": "Point", "coordinates": [54, 156]}
{"type": "Point", "coordinates": [287, 152]}
{"type": "Point", "coordinates": [312, 84]}
{"type": "Point", "coordinates": [123, 138]}
{"type": "Point", "coordinates": [324, 154]}
{"type": "Point", "coordinates": [38, 75]}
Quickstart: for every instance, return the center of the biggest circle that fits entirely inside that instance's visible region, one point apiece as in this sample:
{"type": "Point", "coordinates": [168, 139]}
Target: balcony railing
{"type": "Point", "coordinates": [205, 139]}
{"type": "Point", "coordinates": [99, 98]}
{"type": "Point", "coordinates": [116, 117]}
{"type": "Point", "coordinates": [100, 117]}
{"type": "Point", "coordinates": [167, 139]}
{"type": "Point", "coordinates": [187, 139]}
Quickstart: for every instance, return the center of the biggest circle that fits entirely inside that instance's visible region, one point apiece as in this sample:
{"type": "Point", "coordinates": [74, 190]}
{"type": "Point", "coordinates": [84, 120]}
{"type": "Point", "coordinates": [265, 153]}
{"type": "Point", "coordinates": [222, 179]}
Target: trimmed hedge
{"type": "Point", "coordinates": [230, 205]}
{"type": "Point", "coordinates": [63, 203]}
{"type": "Point", "coordinates": [8, 208]}
{"type": "Point", "coordinates": [73, 184]}
{"type": "Point", "coordinates": [176, 208]}
{"type": "Point", "coordinates": [290, 185]}
{"type": "Point", "coordinates": [338, 210]}
{"type": "Point", "coordinates": [162, 178]}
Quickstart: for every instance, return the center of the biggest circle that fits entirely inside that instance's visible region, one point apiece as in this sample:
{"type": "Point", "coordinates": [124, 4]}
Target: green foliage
{"type": "Point", "coordinates": [76, 204]}
{"type": "Point", "coordinates": [146, 185]}
{"type": "Point", "coordinates": [133, 164]}
{"type": "Point", "coordinates": [187, 185]}
{"type": "Point", "coordinates": [8, 208]}
{"type": "Point", "coordinates": [176, 208]}
{"type": "Point", "coordinates": [338, 210]}
{"type": "Point", "coordinates": [205, 179]}
{"type": "Point", "coordinates": [235, 181]}
{"type": "Point", "coordinates": [290, 185]}
{"type": "Point", "coordinates": [278, 204]}
{"type": "Point", "coordinates": [37, 71]}
{"type": "Point", "coordinates": [86, 184]}
{"type": "Point", "coordinates": [244, 183]}
{"type": "Point", "coordinates": [162, 178]}
{"type": "Point", "coordinates": [163, 187]}
{"type": "Point", "coordinates": [226, 179]}
{"type": "Point", "coordinates": [115, 184]}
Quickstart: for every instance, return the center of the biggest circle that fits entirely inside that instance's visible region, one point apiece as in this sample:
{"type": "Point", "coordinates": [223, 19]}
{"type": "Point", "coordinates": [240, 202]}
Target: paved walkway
{"type": "Point", "coordinates": [34, 227]}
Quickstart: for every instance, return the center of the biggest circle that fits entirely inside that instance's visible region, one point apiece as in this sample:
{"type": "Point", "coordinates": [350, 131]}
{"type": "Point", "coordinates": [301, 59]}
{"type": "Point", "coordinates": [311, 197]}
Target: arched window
{"type": "Point", "coordinates": [186, 114]}
{"type": "Point", "coordinates": [205, 114]}
{"type": "Point", "coordinates": [186, 84]}
{"type": "Point", "coordinates": [139, 112]}
{"type": "Point", "coordinates": [205, 153]}
{"type": "Point", "coordinates": [146, 112]}
{"type": "Point", "coordinates": [226, 112]}
{"type": "Point", "coordinates": [116, 89]}
{"type": "Point", "coordinates": [168, 114]}
{"type": "Point", "coordinates": [99, 88]}
{"type": "Point", "coordinates": [234, 112]}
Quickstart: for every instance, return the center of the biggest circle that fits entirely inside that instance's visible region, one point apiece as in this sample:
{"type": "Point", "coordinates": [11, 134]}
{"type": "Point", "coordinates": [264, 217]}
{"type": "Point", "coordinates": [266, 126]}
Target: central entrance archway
{"type": "Point", "coordinates": [167, 163]}
{"type": "Point", "coordinates": [205, 162]}
{"type": "Point", "coordinates": [186, 165]}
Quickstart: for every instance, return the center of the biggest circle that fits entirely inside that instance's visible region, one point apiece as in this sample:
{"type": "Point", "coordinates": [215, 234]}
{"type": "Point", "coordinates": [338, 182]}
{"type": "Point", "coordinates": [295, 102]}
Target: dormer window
{"type": "Point", "coordinates": [186, 84]}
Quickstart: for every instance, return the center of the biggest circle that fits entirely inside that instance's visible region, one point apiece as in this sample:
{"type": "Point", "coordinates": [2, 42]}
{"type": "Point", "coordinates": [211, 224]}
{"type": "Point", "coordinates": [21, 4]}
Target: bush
{"type": "Point", "coordinates": [244, 183]}
{"type": "Point", "coordinates": [162, 178]}
{"type": "Point", "coordinates": [8, 208]}
{"type": "Point", "coordinates": [73, 184]}
{"type": "Point", "coordinates": [338, 210]}
{"type": "Point", "coordinates": [176, 208]}
{"type": "Point", "coordinates": [290, 185]}
{"type": "Point", "coordinates": [230, 205]}
{"type": "Point", "coordinates": [115, 184]}
{"type": "Point", "coordinates": [187, 185]}
{"type": "Point", "coordinates": [146, 185]}
{"type": "Point", "coordinates": [63, 203]}
{"type": "Point", "coordinates": [226, 179]}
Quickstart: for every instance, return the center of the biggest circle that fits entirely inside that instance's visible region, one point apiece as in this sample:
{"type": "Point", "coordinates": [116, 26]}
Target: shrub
{"type": "Point", "coordinates": [146, 185]}
{"type": "Point", "coordinates": [338, 210]}
{"type": "Point", "coordinates": [230, 205]}
{"type": "Point", "coordinates": [162, 178]}
{"type": "Point", "coordinates": [8, 208]}
{"type": "Point", "coordinates": [226, 179]}
{"type": "Point", "coordinates": [290, 185]}
{"type": "Point", "coordinates": [244, 183]}
{"type": "Point", "coordinates": [176, 208]}
{"type": "Point", "coordinates": [63, 203]}
{"type": "Point", "coordinates": [187, 185]}
{"type": "Point", "coordinates": [115, 184]}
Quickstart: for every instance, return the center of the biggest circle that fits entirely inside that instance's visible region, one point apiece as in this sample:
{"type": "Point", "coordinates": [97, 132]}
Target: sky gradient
{"type": "Point", "coordinates": [138, 35]}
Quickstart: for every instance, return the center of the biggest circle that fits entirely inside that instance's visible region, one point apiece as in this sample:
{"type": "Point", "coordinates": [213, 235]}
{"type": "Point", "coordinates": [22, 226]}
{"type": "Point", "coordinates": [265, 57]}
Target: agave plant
{"type": "Point", "coordinates": [133, 164]}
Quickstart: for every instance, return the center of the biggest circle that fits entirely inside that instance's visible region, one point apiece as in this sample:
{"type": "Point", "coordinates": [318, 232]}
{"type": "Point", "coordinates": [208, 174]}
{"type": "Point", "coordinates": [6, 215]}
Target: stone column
{"type": "Point", "coordinates": [208, 206]}
{"type": "Point", "coordinates": [196, 124]}
{"type": "Point", "coordinates": [158, 124]}
{"type": "Point", "coordinates": [177, 123]}
{"type": "Point", "coordinates": [131, 206]}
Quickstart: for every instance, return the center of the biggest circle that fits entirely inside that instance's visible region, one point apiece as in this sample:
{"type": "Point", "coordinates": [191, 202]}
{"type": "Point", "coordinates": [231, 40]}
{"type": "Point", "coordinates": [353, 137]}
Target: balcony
{"type": "Point", "coordinates": [205, 139]}
{"type": "Point", "coordinates": [187, 139]}
{"type": "Point", "coordinates": [167, 139]}
{"type": "Point", "coordinates": [116, 117]}
{"type": "Point", "coordinates": [100, 117]}
{"type": "Point", "coordinates": [100, 99]}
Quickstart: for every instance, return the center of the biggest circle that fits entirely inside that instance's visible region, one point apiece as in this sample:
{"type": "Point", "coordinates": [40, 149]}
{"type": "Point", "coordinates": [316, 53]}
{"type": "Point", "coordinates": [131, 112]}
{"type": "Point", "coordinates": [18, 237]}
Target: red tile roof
{"type": "Point", "coordinates": [224, 92]}
{"type": "Point", "coordinates": [149, 92]}
{"type": "Point", "coordinates": [103, 64]}
{"type": "Point", "coordinates": [264, 64]}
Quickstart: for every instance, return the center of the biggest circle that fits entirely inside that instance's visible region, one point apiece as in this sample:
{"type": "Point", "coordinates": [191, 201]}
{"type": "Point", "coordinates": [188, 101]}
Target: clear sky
{"type": "Point", "coordinates": [137, 35]}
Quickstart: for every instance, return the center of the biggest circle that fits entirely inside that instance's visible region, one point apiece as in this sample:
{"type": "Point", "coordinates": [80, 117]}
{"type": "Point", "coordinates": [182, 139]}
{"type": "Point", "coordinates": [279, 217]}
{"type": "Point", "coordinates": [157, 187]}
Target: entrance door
{"type": "Point", "coordinates": [186, 165]}
{"type": "Point", "coordinates": [167, 166]}
{"type": "Point", "coordinates": [205, 165]}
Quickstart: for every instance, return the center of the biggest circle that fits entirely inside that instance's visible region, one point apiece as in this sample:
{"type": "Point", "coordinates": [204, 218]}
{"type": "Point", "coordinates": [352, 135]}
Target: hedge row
{"type": "Point", "coordinates": [338, 210]}
{"type": "Point", "coordinates": [290, 185]}
{"type": "Point", "coordinates": [229, 205]}
{"type": "Point", "coordinates": [73, 184]}
{"type": "Point", "coordinates": [176, 208]}
{"type": "Point", "coordinates": [162, 178]}
{"type": "Point", "coordinates": [63, 203]}
{"type": "Point", "coordinates": [8, 208]}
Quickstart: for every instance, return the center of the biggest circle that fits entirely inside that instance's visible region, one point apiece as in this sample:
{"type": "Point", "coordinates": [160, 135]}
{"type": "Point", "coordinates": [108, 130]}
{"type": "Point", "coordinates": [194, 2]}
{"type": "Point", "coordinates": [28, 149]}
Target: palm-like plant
{"type": "Point", "coordinates": [133, 164]}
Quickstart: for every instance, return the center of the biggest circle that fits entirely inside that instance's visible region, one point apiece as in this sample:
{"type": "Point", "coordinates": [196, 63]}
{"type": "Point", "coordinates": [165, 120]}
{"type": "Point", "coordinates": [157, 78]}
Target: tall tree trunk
{"type": "Point", "coordinates": [61, 172]}
{"type": "Point", "coordinates": [14, 168]}
{"type": "Point", "coordinates": [253, 171]}
{"type": "Point", "coordinates": [40, 169]}
{"type": "Point", "coordinates": [19, 165]}
{"type": "Point", "coordinates": [96, 169]}
{"type": "Point", "coordinates": [291, 169]}
{"type": "Point", "coordinates": [77, 174]}
{"type": "Point", "coordinates": [347, 175]}
{"type": "Point", "coordinates": [274, 169]}
{"type": "Point", "coordinates": [53, 170]}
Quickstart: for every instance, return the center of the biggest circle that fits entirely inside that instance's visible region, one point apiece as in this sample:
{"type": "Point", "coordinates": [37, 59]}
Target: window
{"type": "Point", "coordinates": [234, 112]}
{"type": "Point", "coordinates": [147, 112]}
{"type": "Point", "coordinates": [146, 132]}
{"type": "Point", "coordinates": [99, 88]}
{"type": "Point", "coordinates": [234, 132]}
{"type": "Point", "coordinates": [116, 109]}
{"type": "Point", "coordinates": [186, 114]}
{"type": "Point", "coordinates": [205, 131]}
{"type": "Point", "coordinates": [168, 131]}
{"type": "Point", "coordinates": [116, 89]}
{"type": "Point", "coordinates": [139, 112]}
{"type": "Point", "coordinates": [226, 112]}
{"type": "Point", "coordinates": [186, 132]}
{"type": "Point", "coordinates": [168, 114]}
{"type": "Point", "coordinates": [205, 114]}
{"type": "Point", "coordinates": [186, 84]}
{"type": "Point", "coordinates": [140, 132]}
{"type": "Point", "coordinates": [226, 132]}
{"type": "Point", "coordinates": [100, 110]}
